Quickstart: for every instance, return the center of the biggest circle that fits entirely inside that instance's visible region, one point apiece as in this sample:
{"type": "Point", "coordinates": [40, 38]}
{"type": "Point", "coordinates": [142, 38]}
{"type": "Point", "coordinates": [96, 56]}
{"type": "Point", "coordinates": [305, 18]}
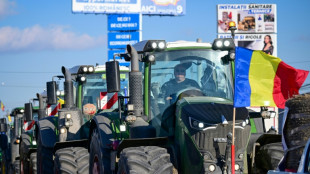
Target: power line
{"type": "Point", "coordinates": [24, 72]}
{"type": "Point", "coordinates": [20, 86]}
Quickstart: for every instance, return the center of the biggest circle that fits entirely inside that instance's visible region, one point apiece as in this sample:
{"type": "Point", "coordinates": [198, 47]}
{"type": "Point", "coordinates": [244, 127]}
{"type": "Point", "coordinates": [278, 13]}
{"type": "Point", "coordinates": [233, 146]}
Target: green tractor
{"type": "Point", "coordinates": [65, 138]}
{"type": "Point", "coordinates": [169, 126]}
{"type": "Point", "coordinates": [28, 144]}
{"type": "Point", "coordinates": [4, 140]}
{"type": "Point", "coordinates": [11, 160]}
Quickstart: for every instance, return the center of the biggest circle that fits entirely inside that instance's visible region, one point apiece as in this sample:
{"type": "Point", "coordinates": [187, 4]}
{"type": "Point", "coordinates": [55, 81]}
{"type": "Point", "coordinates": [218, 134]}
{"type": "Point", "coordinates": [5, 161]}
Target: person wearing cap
{"type": "Point", "coordinates": [173, 86]}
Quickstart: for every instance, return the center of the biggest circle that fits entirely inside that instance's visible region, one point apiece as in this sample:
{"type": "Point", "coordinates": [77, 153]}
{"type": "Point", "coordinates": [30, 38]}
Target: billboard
{"type": "Point", "coordinates": [146, 7]}
{"type": "Point", "coordinates": [265, 42]}
{"type": "Point", "coordinates": [249, 18]}
{"type": "Point", "coordinates": [123, 22]}
{"type": "Point", "coordinates": [106, 6]}
{"type": "Point", "coordinates": [122, 39]}
{"type": "Point", "coordinates": [163, 7]}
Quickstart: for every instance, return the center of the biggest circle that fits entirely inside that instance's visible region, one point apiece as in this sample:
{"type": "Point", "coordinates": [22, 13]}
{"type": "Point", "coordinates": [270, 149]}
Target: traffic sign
{"type": "Point", "coordinates": [123, 22]}
{"type": "Point", "coordinates": [121, 40]}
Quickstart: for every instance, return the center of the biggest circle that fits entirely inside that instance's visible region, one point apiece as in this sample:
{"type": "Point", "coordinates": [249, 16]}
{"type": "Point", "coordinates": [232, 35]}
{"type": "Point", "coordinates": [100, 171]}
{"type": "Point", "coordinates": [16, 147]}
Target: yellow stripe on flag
{"type": "Point", "coordinates": [261, 77]}
{"type": "Point", "coordinates": [9, 117]}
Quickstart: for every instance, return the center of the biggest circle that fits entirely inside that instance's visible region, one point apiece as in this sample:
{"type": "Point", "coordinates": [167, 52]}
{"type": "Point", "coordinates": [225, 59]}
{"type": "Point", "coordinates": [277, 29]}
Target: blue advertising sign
{"type": "Point", "coordinates": [123, 22]}
{"type": "Point", "coordinates": [106, 6]}
{"type": "Point", "coordinates": [122, 62]}
{"type": "Point", "coordinates": [121, 40]}
{"type": "Point", "coordinates": [163, 7]}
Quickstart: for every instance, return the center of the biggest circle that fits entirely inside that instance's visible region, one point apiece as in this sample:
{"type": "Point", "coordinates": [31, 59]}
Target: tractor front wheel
{"type": "Point", "coordinates": [144, 159]}
{"type": "Point", "coordinates": [71, 160]}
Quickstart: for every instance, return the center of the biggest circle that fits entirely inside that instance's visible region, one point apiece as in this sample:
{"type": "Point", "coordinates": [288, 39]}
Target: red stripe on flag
{"type": "Point", "coordinates": [287, 83]}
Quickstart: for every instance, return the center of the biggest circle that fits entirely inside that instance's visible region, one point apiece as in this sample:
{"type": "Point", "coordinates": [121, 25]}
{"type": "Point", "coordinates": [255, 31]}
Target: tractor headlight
{"type": "Point", "coordinates": [219, 43]}
{"type": "Point", "coordinates": [63, 130]}
{"type": "Point", "coordinates": [68, 116]}
{"type": "Point", "coordinates": [226, 43]}
{"type": "Point", "coordinates": [58, 93]}
{"type": "Point", "coordinates": [122, 128]}
{"type": "Point", "coordinates": [34, 142]}
{"type": "Point", "coordinates": [223, 44]}
{"type": "Point", "coordinates": [90, 69]}
{"type": "Point", "coordinates": [196, 124]}
{"type": "Point", "coordinates": [237, 167]}
{"type": "Point", "coordinates": [154, 45]}
{"type": "Point", "coordinates": [22, 111]}
{"type": "Point", "coordinates": [83, 79]}
{"type": "Point", "coordinates": [211, 167]}
{"type": "Point", "coordinates": [162, 45]}
{"type": "Point", "coordinates": [84, 69]}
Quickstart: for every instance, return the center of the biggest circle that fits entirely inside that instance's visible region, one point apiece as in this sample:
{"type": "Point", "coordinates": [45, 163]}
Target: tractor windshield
{"type": "Point", "coordinates": [95, 84]}
{"type": "Point", "coordinates": [194, 72]}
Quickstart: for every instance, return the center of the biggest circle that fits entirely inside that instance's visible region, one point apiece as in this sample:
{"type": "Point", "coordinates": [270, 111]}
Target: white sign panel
{"type": "Point", "coordinates": [265, 42]}
{"type": "Point", "coordinates": [106, 6]}
{"type": "Point", "coordinates": [249, 18]}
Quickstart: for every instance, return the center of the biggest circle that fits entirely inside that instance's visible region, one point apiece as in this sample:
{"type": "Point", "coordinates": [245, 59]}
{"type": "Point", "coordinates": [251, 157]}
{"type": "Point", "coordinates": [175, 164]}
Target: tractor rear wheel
{"type": "Point", "coordinates": [268, 157]}
{"type": "Point", "coordinates": [144, 159]}
{"type": "Point", "coordinates": [71, 160]}
{"type": "Point", "coordinates": [33, 163]}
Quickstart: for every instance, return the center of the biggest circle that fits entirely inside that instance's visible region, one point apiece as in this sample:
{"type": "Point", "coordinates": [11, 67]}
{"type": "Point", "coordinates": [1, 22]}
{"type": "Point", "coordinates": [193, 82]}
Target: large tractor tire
{"type": "Point", "coordinates": [33, 163]}
{"type": "Point", "coordinates": [16, 167]}
{"type": "Point", "coordinates": [268, 157]}
{"type": "Point", "coordinates": [100, 150]}
{"type": "Point", "coordinates": [45, 162]}
{"type": "Point", "coordinates": [99, 158]}
{"type": "Point", "coordinates": [296, 130]}
{"type": "Point", "coordinates": [145, 159]}
{"type": "Point", "coordinates": [23, 151]}
{"type": "Point", "coordinates": [71, 160]}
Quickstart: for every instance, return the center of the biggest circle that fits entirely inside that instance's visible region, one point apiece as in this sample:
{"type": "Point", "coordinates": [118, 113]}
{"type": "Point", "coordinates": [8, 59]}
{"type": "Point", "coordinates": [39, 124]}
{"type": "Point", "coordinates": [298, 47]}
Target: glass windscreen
{"type": "Point", "coordinates": [191, 73]}
{"type": "Point", "coordinates": [96, 83]}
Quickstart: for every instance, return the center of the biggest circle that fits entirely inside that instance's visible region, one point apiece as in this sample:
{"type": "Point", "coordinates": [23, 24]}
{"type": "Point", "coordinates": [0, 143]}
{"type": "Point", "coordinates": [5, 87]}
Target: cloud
{"type": "Point", "coordinates": [37, 38]}
{"type": "Point", "coordinates": [6, 8]}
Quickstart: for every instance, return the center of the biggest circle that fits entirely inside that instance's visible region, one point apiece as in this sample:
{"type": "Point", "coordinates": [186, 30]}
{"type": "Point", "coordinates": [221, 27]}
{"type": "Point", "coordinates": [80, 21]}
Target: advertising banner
{"type": "Point", "coordinates": [249, 18]}
{"type": "Point", "coordinates": [123, 22]}
{"type": "Point", "coordinates": [122, 39]}
{"type": "Point", "coordinates": [265, 42]}
{"type": "Point", "coordinates": [163, 7]}
{"type": "Point", "coordinates": [106, 6]}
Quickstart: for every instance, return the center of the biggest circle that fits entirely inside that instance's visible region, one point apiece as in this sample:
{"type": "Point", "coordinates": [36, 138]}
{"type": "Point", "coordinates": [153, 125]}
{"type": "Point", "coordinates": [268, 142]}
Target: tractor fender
{"type": "Point", "coordinates": [103, 124]}
{"type": "Point", "coordinates": [46, 131]}
{"type": "Point", "coordinates": [261, 139]}
{"type": "Point", "coordinates": [159, 141]}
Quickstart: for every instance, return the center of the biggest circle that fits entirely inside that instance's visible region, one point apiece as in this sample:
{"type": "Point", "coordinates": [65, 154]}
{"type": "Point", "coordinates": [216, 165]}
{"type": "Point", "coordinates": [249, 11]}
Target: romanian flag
{"type": "Point", "coordinates": [264, 80]}
{"type": "Point", "coordinates": [2, 106]}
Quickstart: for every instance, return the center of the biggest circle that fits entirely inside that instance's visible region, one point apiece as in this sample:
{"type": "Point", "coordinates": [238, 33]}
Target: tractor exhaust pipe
{"type": "Point", "coordinates": [135, 82]}
{"type": "Point", "coordinates": [68, 87]}
{"type": "Point", "coordinates": [41, 111]}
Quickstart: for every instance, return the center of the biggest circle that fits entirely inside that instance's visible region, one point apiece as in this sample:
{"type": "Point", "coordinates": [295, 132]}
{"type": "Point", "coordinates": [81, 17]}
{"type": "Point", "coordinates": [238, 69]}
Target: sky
{"type": "Point", "coordinates": [37, 38]}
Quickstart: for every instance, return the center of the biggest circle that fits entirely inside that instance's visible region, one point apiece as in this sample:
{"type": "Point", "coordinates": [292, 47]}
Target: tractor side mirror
{"type": "Point", "coordinates": [28, 111]}
{"type": "Point", "coordinates": [113, 76]}
{"type": "Point", "coordinates": [51, 92]}
{"type": "Point", "coordinates": [3, 125]}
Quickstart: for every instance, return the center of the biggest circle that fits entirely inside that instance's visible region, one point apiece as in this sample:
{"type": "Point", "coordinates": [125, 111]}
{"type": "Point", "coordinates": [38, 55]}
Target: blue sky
{"type": "Point", "coordinates": [38, 37]}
